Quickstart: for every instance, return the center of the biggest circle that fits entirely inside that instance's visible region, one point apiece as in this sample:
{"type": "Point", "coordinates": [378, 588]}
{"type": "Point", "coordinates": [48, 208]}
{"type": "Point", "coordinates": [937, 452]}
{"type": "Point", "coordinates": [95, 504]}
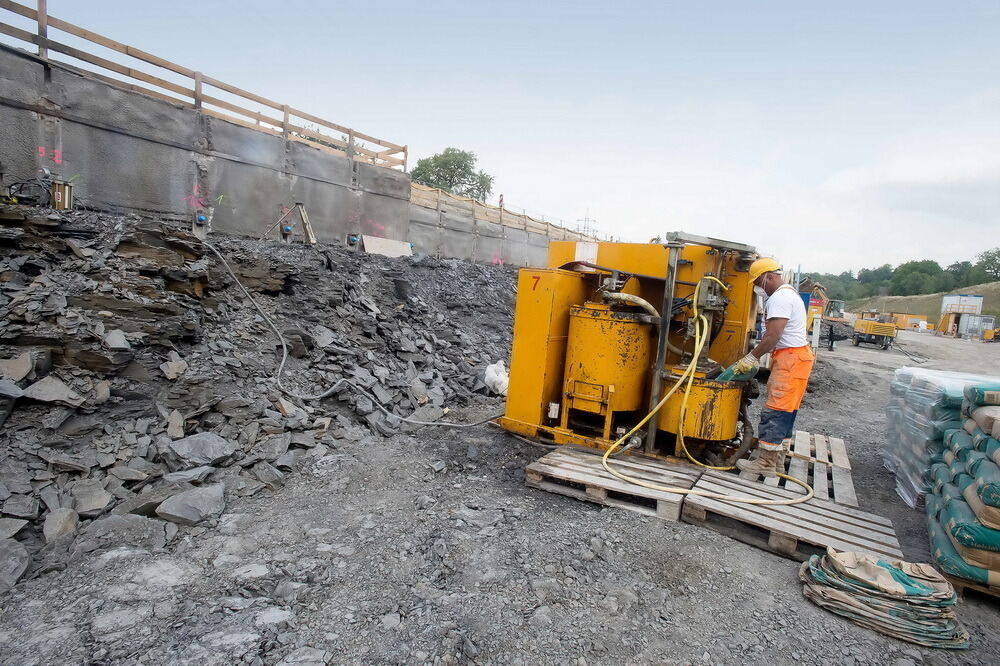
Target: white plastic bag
{"type": "Point", "coordinates": [496, 378]}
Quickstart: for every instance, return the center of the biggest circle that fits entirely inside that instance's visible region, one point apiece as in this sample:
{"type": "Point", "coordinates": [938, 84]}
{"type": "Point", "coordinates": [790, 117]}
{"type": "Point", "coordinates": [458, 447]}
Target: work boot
{"type": "Point", "coordinates": [766, 463]}
{"type": "Point", "coordinates": [786, 447]}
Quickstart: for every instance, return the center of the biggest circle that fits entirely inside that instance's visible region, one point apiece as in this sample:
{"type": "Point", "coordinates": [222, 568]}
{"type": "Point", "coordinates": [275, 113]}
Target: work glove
{"type": "Point", "coordinates": [745, 365]}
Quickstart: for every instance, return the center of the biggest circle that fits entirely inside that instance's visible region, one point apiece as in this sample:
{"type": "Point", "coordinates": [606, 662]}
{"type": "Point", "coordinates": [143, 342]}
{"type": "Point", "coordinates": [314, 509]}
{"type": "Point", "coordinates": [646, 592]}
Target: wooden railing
{"type": "Point", "coordinates": [200, 92]}
{"type": "Point", "coordinates": [431, 197]}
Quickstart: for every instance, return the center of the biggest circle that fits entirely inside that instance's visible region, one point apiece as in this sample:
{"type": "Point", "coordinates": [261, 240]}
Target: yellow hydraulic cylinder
{"type": "Point", "coordinates": [712, 412]}
{"type": "Point", "coordinates": [607, 359]}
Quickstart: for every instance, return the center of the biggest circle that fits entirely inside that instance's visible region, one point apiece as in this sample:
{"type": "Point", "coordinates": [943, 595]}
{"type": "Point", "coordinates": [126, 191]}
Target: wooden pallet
{"type": "Point", "coordinates": [797, 530]}
{"type": "Point", "coordinates": [577, 474]}
{"type": "Point", "coordinates": [829, 473]}
{"type": "Point", "coordinates": [962, 585]}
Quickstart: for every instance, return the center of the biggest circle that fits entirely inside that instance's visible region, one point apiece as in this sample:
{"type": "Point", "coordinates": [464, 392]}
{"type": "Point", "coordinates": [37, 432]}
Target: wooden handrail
{"type": "Point", "coordinates": [386, 153]}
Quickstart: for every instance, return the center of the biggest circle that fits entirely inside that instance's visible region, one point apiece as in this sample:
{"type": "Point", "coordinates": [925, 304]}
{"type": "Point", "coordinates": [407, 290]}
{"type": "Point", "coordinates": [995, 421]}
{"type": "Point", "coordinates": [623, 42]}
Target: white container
{"type": "Point", "coordinates": [974, 325]}
{"type": "Point", "coordinates": [964, 303]}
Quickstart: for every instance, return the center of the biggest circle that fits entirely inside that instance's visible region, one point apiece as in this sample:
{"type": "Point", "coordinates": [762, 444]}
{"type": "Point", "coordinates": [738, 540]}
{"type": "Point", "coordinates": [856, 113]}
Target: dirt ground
{"type": "Point", "coordinates": [373, 556]}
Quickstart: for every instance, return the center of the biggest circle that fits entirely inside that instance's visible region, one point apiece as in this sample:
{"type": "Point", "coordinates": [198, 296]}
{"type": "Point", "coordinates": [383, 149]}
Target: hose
{"type": "Point", "coordinates": [701, 336]}
{"type": "Point", "coordinates": [632, 300]}
{"type": "Point", "coordinates": [336, 386]}
{"type": "Point", "coordinates": [645, 305]}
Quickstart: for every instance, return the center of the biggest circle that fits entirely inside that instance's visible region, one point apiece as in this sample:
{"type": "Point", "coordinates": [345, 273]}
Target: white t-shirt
{"type": "Point", "coordinates": [785, 303]}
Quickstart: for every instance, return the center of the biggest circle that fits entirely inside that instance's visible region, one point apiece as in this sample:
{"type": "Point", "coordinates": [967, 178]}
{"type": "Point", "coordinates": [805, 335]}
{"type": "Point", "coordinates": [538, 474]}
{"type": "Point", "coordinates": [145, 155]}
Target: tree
{"type": "Point", "coordinates": [875, 275]}
{"type": "Point", "coordinates": [454, 171]}
{"type": "Point", "coordinates": [989, 261]}
{"type": "Point", "coordinates": [960, 271]}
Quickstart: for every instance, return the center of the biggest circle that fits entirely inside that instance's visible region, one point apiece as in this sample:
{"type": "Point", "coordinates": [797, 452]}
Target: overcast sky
{"type": "Point", "coordinates": [832, 134]}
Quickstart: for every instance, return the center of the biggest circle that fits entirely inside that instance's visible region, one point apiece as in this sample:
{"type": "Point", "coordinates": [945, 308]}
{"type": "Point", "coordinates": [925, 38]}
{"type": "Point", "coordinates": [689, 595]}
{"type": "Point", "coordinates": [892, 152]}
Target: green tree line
{"type": "Point", "coordinates": [910, 278]}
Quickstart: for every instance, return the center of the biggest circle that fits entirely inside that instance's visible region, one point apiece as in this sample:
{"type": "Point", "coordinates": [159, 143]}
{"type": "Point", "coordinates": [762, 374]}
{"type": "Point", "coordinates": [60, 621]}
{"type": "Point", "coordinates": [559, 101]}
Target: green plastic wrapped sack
{"type": "Point", "coordinates": [957, 467]}
{"type": "Point", "coordinates": [973, 459]}
{"type": "Point", "coordinates": [933, 504]}
{"type": "Point", "coordinates": [951, 562]}
{"type": "Point", "coordinates": [938, 475]}
{"type": "Point", "coordinates": [964, 526]}
{"type": "Point", "coordinates": [950, 432]}
{"type": "Point", "coordinates": [987, 515]}
{"type": "Point", "coordinates": [941, 428]}
{"type": "Point", "coordinates": [978, 437]}
{"type": "Point", "coordinates": [992, 448]}
{"type": "Point", "coordinates": [950, 491]}
{"type": "Point", "coordinates": [963, 480]}
{"type": "Point", "coordinates": [987, 477]}
{"type": "Point", "coordinates": [961, 441]}
{"type": "Point", "coordinates": [983, 393]}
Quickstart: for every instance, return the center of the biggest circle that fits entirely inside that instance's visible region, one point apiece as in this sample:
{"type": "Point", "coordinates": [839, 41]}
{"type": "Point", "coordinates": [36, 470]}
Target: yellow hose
{"type": "Point", "coordinates": [701, 337]}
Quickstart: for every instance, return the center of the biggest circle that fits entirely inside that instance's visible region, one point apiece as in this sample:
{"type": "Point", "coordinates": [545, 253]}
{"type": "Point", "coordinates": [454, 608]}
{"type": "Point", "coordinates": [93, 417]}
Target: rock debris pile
{"type": "Point", "coordinates": [137, 391]}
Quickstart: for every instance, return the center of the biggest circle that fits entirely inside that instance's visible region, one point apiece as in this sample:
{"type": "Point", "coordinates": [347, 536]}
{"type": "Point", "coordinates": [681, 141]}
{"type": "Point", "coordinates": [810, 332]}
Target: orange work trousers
{"type": "Point", "coordinates": [790, 369]}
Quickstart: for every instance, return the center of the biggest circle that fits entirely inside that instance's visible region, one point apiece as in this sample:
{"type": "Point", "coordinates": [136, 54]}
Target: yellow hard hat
{"type": "Point", "coordinates": [763, 265]}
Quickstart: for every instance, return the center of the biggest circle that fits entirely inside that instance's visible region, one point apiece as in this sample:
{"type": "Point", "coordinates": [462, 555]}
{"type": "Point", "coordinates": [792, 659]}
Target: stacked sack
{"type": "Point", "coordinates": [963, 507]}
{"type": "Point", "coordinates": [909, 601]}
{"type": "Point", "coordinates": [923, 406]}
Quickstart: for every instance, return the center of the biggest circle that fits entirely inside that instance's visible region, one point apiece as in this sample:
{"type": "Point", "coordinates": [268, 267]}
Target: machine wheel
{"type": "Point", "coordinates": [856, 340]}
{"type": "Point", "coordinates": [885, 343]}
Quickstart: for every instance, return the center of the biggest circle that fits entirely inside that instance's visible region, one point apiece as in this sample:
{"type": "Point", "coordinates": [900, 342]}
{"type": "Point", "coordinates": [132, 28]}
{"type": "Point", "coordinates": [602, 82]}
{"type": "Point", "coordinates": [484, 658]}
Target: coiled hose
{"type": "Point", "coordinates": [337, 385]}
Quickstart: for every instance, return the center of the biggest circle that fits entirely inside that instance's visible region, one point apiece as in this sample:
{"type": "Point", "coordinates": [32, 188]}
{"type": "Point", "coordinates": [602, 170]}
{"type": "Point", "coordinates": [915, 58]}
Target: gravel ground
{"type": "Point", "coordinates": [371, 556]}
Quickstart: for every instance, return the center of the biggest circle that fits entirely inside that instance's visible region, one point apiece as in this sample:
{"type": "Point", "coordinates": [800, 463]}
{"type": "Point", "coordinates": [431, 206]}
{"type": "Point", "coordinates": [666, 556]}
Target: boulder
{"type": "Point", "coordinates": [21, 506]}
{"type": "Point", "coordinates": [91, 499]}
{"type": "Point", "coordinates": [60, 522]}
{"type": "Point", "coordinates": [14, 560]}
{"type": "Point", "coordinates": [203, 448]}
{"type": "Point", "coordinates": [52, 389]}
{"type": "Point", "coordinates": [193, 506]}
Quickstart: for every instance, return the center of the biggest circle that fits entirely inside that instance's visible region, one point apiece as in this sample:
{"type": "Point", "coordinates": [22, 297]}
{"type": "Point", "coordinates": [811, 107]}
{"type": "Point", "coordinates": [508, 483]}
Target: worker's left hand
{"type": "Point", "coordinates": [748, 363]}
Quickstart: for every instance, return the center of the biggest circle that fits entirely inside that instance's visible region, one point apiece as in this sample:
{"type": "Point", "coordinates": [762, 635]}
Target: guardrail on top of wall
{"type": "Point", "coordinates": [197, 94]}
{"type": "Point", "coordinates": [432, 197]}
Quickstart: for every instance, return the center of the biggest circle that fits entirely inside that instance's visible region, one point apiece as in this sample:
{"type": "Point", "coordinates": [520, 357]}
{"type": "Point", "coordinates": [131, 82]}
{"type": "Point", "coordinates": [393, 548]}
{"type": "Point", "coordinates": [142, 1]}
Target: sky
{"type": "Point", "coordinates": [832, 135]}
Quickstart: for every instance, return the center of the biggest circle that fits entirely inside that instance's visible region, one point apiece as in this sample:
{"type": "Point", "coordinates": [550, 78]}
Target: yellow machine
{"type": "Point", "coordinates": [875, 332]}
{"type": "Point", "coordinates": [592, 354]}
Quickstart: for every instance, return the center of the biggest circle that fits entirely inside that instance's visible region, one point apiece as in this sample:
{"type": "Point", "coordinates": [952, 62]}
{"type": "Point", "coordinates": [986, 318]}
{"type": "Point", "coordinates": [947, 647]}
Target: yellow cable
{"type": "Point", "coordinates": [689, 372]}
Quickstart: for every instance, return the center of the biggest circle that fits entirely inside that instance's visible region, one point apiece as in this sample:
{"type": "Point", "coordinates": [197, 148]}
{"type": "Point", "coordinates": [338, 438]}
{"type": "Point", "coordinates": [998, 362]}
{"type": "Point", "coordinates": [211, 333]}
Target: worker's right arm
{"type": "Point", "coordinates": [773, 329]}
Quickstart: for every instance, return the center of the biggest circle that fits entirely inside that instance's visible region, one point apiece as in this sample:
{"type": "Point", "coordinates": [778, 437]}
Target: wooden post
{"type": "Point", "coordinates": [284, 120]}
{"type": "Point", "coordinates": [42, 20]}
{"type": "Point", "coordinates": [406, 155]}
{"type": "Point", "coordinates": [350, 145]}
{"type": "Point", "coordinates": [197, 90]}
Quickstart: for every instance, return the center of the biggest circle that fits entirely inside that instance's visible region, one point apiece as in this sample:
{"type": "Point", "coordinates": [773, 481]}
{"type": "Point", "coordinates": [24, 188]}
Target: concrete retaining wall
{"type": "Point", "coordinates": [129, 151]}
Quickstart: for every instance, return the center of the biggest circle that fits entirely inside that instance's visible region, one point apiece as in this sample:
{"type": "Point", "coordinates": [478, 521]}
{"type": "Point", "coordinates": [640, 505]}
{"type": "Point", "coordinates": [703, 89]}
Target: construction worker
{"type": "Point", "coordinates": [791, 362]}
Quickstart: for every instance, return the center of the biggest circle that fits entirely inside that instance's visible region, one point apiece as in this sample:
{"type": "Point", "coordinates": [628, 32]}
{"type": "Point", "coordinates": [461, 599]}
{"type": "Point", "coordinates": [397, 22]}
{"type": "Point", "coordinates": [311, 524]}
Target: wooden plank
{"type": "Point", "coordinates": [838, 453]}
{"type": "Point", "coordinates": [798, 468]}
{"type": "Point", "coordinates": [584, 469]}
{"type": "Point", "coordinates": [816, 507]}
{"type": "Point", "coordinates": [42, 22]}
{"type": "Point", "coordinates": [386, 246]}
{"type": "Point", "coordinates": [597, 474]}
{"type": "Point", "coordinates": [239, 92]}
{"type": "Point", "coordinates": [223, 104]}
{"type": "Point", "coordinates": [818, 522]}
{"type": "Point", "coordinates": [816, 513]}
{"type": "Point", "coordinates": [843, 484]}
{"type": "Point", "coordinates": [244, 123]}
{"type": "Point", "coordinates": [345, 130]}
{"type": "Point", "coordinates": [821, 470]}
{"type": "Point", "coordinates": [592, 472]}
{"type": "Point", "coordinates": [125, 85]}
{"type": "Point", "coordinates": [95, 60]}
